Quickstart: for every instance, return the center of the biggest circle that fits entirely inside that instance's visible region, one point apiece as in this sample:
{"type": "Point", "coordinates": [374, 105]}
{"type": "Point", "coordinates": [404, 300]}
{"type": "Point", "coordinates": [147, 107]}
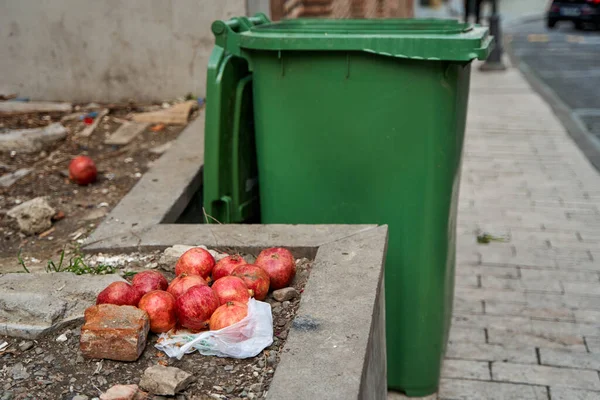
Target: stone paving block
{"type": "Point", "coordinates": [492, 282]}
{"type": "Point", "coordinates": [467, 306]}
{"type": "Point", "coordinates": [490, 294]}
{"type": "Point", "coordinates": [564, 358]}
{"type": "Point", "coordinates": [593, 343]}
{"type": "Point", "coordinates": [491, 321]}
{"type": "Point", "coordinates": [454, 389]}
{"type": "Point", "coordinates": [546, 376]}
{"type": "Point", "coordinates": [114, 332]}
{"type": "Point", "coordinates": [467, 281]}
{"type": "Point", "coordinates": [524, 310]}
{"type": "Point", "coordinates": [507, 272]}
{"type": "Point", "coordinates": [589, 316]}
{"type": "Point", "coordinates": [491, 352]}
{"type": "Point", "coordinates": [561, 393]}
{"type": "Point", "coordinates": [517, 338]}
{"type": "Point", "coordinates": [558, 275]}
{"type": "Point", "coordinates": [466, 369]}
{"type": "Point", "coordinates": [563, 328]}
{"type": "Point", "coordinates": [591, 288]}
{"type": "Point", "coordinates": [472, 335]}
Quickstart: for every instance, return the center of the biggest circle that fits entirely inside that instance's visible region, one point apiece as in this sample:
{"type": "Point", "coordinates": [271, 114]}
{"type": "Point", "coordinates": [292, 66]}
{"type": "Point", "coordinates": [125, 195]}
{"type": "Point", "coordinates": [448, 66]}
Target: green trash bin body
{"type": "Point", "coordinates": [368, 136]}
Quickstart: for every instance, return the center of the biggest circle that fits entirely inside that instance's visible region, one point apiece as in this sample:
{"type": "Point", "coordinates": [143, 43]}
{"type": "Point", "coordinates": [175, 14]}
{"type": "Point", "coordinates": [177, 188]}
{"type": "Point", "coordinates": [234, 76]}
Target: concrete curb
{"type": "Point", "coordinates": [587, 143]}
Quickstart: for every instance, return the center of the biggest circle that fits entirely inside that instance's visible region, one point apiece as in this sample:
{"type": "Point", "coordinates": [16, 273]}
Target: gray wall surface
{"type": "Point", "coordinates": [109, 50]}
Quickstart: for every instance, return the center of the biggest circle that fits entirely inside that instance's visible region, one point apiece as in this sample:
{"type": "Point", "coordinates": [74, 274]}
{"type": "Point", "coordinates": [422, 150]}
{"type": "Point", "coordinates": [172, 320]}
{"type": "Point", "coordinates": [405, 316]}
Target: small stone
{"type": "Point", "coordinates": [120, 392]}
{"type": "Point", "coordinates": [244, 394]}
{"type": "Point", "coordinates": [210, 370]}
{"type": "Point", "coordinates": [282, 335]}
{"type": "Point", "coordinates": [228, 367]}
{"type": "Point", "coordinates": [19, 372]}
{"type": "Point", "coordinates": [79, 359]}
{"type": "Point", "coordinates": [81, 397]}
{"type": "Point", "coordinates": [256, 387]}
{"type": "Point", "coordinates": [101, 380]}
{"type": "Point", "coordinates": [272, 359]}
{"type": "Point", "coordinates": [25, 345]}
{"type": "Point", "coordinates": [165, 380]}
{"type": "Point", "coordinates": [38, 350]}
{"type": "Point", "coordinates": [218, 388]}
{"type": "Point", "coordinates": [285, 294]}
{"type": "Point", "coordinates": [72, 380]}
{"type": "Point", "coordinates": [276, 310]}
{"type": "Point", "coordinates": [251, 395]}
{"type": "Point", "coordinates": [49, 358]}
{"type": "Point", "coordinates": [255, 374]}
{"type": "Point", "coordinates": [33, 216]}
{"type": "Point", "coordinates": [114, 332]}
{"type": "Point", "coordinates": [281, 323]}
{"type": "Point", "coordinates": [285, 304]}
{"type": "Point", "coordinates": [229, 389]}
{"type": "Point", "coordinates": [261, 363]}
{"type": "Point", "coordinates": [7, 395]}
{"type": "Point", "coordinates": [62, 338]}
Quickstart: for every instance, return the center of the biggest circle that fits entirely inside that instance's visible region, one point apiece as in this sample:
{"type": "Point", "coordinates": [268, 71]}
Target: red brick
{"type": "Point", "coordinates": [124, 392]}
{"type": "Point", "coordinates": [114, 332]}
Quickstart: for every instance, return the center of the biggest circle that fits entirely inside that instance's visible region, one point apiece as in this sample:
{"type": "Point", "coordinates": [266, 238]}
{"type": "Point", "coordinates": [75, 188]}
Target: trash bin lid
{"type": "Point", "coordinates": [426, 39]}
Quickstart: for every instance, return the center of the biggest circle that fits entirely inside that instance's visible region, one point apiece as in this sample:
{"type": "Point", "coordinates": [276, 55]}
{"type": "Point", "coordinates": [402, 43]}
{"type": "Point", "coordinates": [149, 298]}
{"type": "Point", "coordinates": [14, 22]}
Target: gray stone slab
{"type": "Point", "coordinates": [32, 304]}
{"type": "Point", "coordinates": [466, 369]}
{"type": "Point", "coordinates": [545, 376]}
{"type": "Point", "coordinates": [126, 133]}
{"type": "Point", "coordinates": [560, 393]}
{"type": "Point", "coordinates": [491, 352]}
{"type": "Point", "coordinates": [31, 140]}
{"type": "Point", "coordinates": [328, 349]}
{"type": "Point", "coordinates": [451, 389]}
{"type": "Point", "coordinates": [564, 358]}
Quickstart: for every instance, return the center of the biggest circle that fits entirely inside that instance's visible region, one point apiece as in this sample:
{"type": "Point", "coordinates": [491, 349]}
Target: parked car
{"type": "Point", "coordinates": [580, 12]}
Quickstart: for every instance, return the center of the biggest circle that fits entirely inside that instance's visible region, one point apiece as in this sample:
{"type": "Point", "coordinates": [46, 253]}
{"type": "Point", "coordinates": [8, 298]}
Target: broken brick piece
{"type": "Point", "coordinates": [123, 392]}
{"type": "Point", "coordinates": [114, 332]}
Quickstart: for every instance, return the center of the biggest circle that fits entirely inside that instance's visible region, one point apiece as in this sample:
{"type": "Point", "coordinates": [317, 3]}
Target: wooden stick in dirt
{"type": "Point", "coordinates": [87, 132]}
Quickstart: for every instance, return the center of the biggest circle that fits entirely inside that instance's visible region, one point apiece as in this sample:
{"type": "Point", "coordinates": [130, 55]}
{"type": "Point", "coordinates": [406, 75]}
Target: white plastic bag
{"type": "Point", "coordinates": [243, 339]}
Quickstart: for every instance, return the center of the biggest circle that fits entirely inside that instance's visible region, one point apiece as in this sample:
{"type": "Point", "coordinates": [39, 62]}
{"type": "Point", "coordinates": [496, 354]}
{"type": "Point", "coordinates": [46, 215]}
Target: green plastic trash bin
{"type": "Point", "coordinates": [351, 122]}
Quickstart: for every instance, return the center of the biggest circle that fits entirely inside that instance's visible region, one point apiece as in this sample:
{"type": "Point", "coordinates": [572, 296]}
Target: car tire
{"type": "Point", "coordinates": [551, 24]}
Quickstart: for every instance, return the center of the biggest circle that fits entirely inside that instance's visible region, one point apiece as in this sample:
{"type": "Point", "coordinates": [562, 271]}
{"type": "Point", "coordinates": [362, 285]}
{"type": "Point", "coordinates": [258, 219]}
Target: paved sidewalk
{"type": "Point", "coordinates": [526, 323]}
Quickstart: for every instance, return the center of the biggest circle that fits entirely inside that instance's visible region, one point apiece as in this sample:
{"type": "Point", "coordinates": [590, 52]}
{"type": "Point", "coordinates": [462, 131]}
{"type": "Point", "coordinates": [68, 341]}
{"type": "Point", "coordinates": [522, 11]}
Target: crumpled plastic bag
{"type": "Point", "coordinates": [243, 339]}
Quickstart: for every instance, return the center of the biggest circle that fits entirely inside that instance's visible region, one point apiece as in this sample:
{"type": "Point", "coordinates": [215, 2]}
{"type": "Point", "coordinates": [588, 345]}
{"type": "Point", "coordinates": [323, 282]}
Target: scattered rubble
{"type": "Point", "coordinates": [161, 149]}
{"type": "Point", "coordinates": [126, 133]}
{"type": "Point", "coordinates": [87, 131]}
{"type": "Point", "coordinates": [166, 381]}
{"type": "Point", "coordinates": [33, 216]}
{"type": "Point", "coordinates": [31, 140]}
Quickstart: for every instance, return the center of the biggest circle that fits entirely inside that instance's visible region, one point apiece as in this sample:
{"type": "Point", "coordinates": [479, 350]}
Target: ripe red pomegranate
{"type": "Point", "coordinates": [231, 288]}
{"type": "Point", "coordinates": [226, 266]}
{"type": "Point", "coordinates": [255, 278]}
{"type": "Point", "coordinates": [279, 264]}
{"type": "Point", "coordinates": [82, 170]}
{"type": "Point", "coordinates": [120, 294]}
{"type": "Point", "coordinates": [183, 282]}
{"type": "Point", "coordinates": [195, 261]}
{"type": "Point", "coordinates": [148, 281]}
{"type": "Point", "coordinates": [228, 314]}
{"type": "Point", "coordinates": [160, 306]}
{"type": "Point", "coordinates": [195, 307]}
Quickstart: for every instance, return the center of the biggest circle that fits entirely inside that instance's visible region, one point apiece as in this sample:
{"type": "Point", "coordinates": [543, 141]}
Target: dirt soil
{"type": "Point", "coordinates": [119, 168]}
{"type": "Point", "coordinates": [48, 369]}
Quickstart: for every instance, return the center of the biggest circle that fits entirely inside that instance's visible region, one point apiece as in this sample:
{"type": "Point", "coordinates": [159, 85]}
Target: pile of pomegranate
{"type": "Point", "coordinates": [204, 294]}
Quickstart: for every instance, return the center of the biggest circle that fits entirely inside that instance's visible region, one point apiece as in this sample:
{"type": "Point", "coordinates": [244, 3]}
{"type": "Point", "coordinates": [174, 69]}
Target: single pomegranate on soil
{"type": "Point", "coordinates": [120, 294]}
{"type": "Point", "coordinates": [279, 264]}
{"type": "Point", "coordinates": [231, 288]}
{"type": "Point", "coordinates": [195, 307]}
{"type": "Point", "coordinates": [82, 170]}
{"type": "Point", "coordinates": [255, 278]}
{"type": "Point", "coordinates": [228, 314]}
{"type": "Point", "coordinates": [195, 261]}
{"type": "Point", "coordinates": [226, 266]}
{"type": "Point", "coordinates": [183, 283]}
{"type": "Point", "coordinates": [160, 306]}
{"type": "Point", "coordinates": [148, 281]}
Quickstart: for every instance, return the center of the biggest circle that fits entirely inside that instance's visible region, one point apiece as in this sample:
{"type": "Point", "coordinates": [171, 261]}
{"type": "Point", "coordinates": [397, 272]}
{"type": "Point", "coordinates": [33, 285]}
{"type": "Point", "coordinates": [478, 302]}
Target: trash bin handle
{"type": "Point", "coordinates": [227, 32]}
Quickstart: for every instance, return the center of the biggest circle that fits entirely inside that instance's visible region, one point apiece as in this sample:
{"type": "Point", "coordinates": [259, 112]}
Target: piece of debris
{"type": "Point", "coordinates": [126, 133]}
{"type": "Point", "coordinates": [33, 216]}
{"type": "Point", "coordinates": [46, 233]}
{"type": "Point", "coordinates": [3, 346]}
{"type": "Point", "coordinates": [165, 381]}
{"type": "Point", "coordinates": [9, 96]}
{"type": "Point", "coordinates": [19, 372]}
{"type": "Point", "coordinates": [7, 180]}
{"type": "Point", "coordinates": [114, 332]}
{"type": "Point", "coordinates": [285, 294]}
{"type": "Point", "coordinates": [58, 216]}
{"type": "Point", "coordinates": [73, 116]}
{"type": "Point", "coordinates": [16, 107]}
{"type": "Point", "coordinates": [176, 115]}
{"type": "Point", "coordinates": [123, 392]}
{"type": "Point", "coordinates": [157, 127]}
{"type": "Point", "coordinates": [31, 140]}
{"type": "Point", "coordinates": [87, 132]}
{"type": "Point", "coordinates": [62, 338]}
{"type": "Point", "coordinates": [95, 214]}
{"type": "Point", "coordinates": [161, 148]}
{"type": "Point", "coordinates": [25, 345]}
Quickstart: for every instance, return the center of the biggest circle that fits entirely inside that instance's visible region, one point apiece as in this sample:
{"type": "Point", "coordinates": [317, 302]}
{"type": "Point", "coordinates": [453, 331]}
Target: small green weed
{"type": "Point", "coordinates": [76, 265]}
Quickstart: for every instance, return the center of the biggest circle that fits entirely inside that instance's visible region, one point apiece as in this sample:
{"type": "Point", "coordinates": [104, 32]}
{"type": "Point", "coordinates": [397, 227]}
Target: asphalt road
{"type": "Point", "coordinates": [568, 62]}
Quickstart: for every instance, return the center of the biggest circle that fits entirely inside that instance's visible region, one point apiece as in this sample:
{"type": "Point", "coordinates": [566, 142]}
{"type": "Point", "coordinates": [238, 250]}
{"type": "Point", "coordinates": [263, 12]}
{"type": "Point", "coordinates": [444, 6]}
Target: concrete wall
{"type": "Point", "coordinates": [109, 50]}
